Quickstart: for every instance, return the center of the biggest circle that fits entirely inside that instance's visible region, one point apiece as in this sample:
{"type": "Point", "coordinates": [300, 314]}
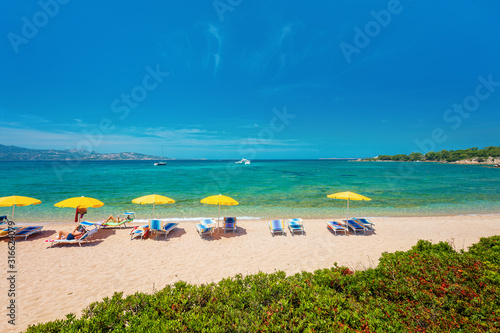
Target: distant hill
{"type": "Point", "coordinates": [13, 153]}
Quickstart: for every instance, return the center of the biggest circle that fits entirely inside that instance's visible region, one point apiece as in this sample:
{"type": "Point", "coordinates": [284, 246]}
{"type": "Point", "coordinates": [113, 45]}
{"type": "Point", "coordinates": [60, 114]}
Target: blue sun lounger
{"type": "Point", "coordinates": [365, 223]}
{"type": "Point", "coordinates": [277, 226]}
{"type": "Point", "coordinates": [169, 227]}
{"type": "Point", "coordinates": [28, 231]}
{"type": "Point", "coordinates": [87, 224]}
{"type": "Point", "coordinates": [336, 226]}
{"type": "Point", "coordinates": [156, 228]}
{"type": "Point", "coordinates": [206, 227]}
{"type": "Point", "coordinates": [295, 225]}
{"type": "Point", "coordinates": [3, 219]}
{"type": "Point", "coordinates": [229, 224]}
{"type": "Point", "coordinates": [354, 226]}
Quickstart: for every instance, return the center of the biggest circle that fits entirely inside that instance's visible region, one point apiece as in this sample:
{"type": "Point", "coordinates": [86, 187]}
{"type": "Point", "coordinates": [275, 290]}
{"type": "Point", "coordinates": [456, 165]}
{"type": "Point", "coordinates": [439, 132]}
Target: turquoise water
{"type": "Point", "coordinates": [264, 189]}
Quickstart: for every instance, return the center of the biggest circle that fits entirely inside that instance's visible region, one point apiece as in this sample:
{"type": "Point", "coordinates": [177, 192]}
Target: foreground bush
{"type": "Point", "coordinates": [430, 288]}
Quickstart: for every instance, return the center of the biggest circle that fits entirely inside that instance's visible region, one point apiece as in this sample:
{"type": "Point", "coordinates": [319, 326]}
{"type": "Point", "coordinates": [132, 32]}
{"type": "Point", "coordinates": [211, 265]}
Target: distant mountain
{"type": "Point", "coordinates": [13, 153]}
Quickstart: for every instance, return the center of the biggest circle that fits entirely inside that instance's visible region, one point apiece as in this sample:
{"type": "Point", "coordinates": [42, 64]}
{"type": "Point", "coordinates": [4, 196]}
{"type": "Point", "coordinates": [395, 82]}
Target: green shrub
{"type": "Point", "coordinates": [430, 288]}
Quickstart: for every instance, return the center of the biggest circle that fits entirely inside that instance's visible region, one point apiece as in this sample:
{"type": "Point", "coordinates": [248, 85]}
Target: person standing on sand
{"type": "Point", "coordinates": [80, 210]}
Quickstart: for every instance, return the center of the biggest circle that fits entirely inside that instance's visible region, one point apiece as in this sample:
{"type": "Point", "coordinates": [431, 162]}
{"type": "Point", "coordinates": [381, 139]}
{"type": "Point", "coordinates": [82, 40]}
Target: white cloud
{"type": "Point", "coordinates": [144, 140]}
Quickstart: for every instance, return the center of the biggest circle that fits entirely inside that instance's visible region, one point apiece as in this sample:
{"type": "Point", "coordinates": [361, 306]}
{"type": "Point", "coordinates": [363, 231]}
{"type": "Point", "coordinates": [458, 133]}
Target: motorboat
{"type": "Point", "coordinates": [244, 161]}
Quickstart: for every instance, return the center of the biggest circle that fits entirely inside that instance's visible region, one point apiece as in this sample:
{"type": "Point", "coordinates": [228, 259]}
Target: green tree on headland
{"type": "Point", "coordinates": [481, 155]}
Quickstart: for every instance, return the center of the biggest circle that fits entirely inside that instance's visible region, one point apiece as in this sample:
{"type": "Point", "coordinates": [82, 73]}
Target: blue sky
{"type": "Point", "coordinates": [254, 79]}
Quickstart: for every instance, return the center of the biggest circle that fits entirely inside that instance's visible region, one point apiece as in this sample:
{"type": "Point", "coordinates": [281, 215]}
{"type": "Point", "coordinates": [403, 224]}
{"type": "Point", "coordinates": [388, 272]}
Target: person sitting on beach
{"type": "Point", "coordinates": [76, 234]}
{"type": "Point", "coordinates": [117, 219]}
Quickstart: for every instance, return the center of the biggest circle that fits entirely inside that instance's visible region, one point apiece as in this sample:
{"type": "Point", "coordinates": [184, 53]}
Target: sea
{"type": "Point", "coordinates": [265, 189]}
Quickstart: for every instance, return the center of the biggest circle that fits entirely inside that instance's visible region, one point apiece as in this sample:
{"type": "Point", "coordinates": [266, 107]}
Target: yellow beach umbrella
{"type": "Point", "coordinates": [348, 196]}
{"type": "Point", "coordinates": [154, 199]}
{"type": "Point", "coordinates": [19, 201]}
{"type": "Point", "coordinates": [79, 202]}
{"type": "Point", "coordinates": [82, 202]}
{"type": "Point", "coordinates": [219, 200]}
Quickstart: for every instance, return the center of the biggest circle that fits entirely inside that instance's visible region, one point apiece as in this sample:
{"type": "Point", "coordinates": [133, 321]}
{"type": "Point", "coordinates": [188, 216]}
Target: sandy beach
{"type": "Point", "coordinates": [52, 282]}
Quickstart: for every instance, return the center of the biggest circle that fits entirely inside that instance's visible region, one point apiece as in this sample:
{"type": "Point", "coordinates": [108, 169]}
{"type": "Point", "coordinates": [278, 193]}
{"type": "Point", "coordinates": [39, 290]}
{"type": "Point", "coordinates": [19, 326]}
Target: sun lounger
{"type": "Point", "coordinates": [87, 224]}
{"type": "Point", "coordinates": [86, 236]}
{"type": "Point", "coordinates": [142, 232]}
{"type": "Point", "coordinates": [169, 227]}
{"type": "Point", "coordinates": [206, 227]}
{"type": "Point", "coordinates": [156, 228]}
{"type": "Point", "coordinates": [28, 231]}
{"type": "Point", "coordinates": [276, 226]}
{"type": "Point", "coordinates": [5, 232]}
{"type": "Point", "coordinates": [354, 226]}
{"type": "Point", "coordinates": [365, 223]}
{"type": "Point", "coordinates": [121, 224]}
{"type": "Point", "coordinates": [295, 225]}
{"type": "Point", "coordinates": [336, 226]}
{"type": "Point", "coordinates": [3, 219]}
{"type": "Point", "coordinates": [229, 224]}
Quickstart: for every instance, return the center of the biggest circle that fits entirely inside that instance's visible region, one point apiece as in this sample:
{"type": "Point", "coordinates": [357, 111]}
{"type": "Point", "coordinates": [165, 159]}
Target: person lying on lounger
{"type": "Point", "coordinates": [117, 219]}
{"type": "Point", "coordinates": [76, 234]}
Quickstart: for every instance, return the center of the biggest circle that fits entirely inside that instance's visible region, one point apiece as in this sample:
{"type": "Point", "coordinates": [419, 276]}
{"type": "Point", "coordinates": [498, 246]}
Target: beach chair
{"type": "Point", "coordinates": [276, 226]}
{"type": "Point", "coordinates": [229, 224]}
{"type": "Point", "coordinates": [121, 224]}
{"type": "Point", "coordinates": [295, 225]}
{"type": "Point", "coordinates": [28, 231]}
{"type": "Point", "coordinates": [3, 219]}
{"type": "Point", "coordinates": [354, 226]}
{"type": "Point", "coordinates": [5, 232]}
{"type": "Point", "coordinates": [142, 232]}
{"type": "Point", "coordinates": [336, 226]}
{"type": "Point", "coordinates": [206, 227]}
{"type": "Point", "coordinates": [169, 227]}
{"type": "Point", "coordinates": [85, 238]}
{"type": "Point", "coordinates": [87, 224]}
{"type": "Point", "coordinates": [156, 228]}
{"type": "Point", "coordinates": [365, 223]}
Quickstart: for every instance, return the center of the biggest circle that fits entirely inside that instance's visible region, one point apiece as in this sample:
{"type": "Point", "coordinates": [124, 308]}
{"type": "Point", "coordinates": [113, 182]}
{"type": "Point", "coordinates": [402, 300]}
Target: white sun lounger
{"type": "Point", "coordinates": [78, 241]}
{"type": "Point", "coordinates": [206, 227]}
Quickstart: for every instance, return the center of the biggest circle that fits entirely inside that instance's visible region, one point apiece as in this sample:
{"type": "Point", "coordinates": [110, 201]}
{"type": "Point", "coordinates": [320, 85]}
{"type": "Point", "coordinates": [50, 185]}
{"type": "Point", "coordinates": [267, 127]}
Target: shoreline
{"type": "Point", "coordinates": [53, 282]}
{"type": "Point", "coordinates": [254, 218]}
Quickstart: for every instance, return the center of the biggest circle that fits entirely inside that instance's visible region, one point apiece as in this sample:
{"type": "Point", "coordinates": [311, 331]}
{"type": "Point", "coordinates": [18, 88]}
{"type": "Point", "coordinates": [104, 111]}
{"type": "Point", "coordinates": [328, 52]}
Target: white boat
{"type": "Point", "coordinates": [243, 160]}
{"type": "Point", "coordinates": [161, 162]}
